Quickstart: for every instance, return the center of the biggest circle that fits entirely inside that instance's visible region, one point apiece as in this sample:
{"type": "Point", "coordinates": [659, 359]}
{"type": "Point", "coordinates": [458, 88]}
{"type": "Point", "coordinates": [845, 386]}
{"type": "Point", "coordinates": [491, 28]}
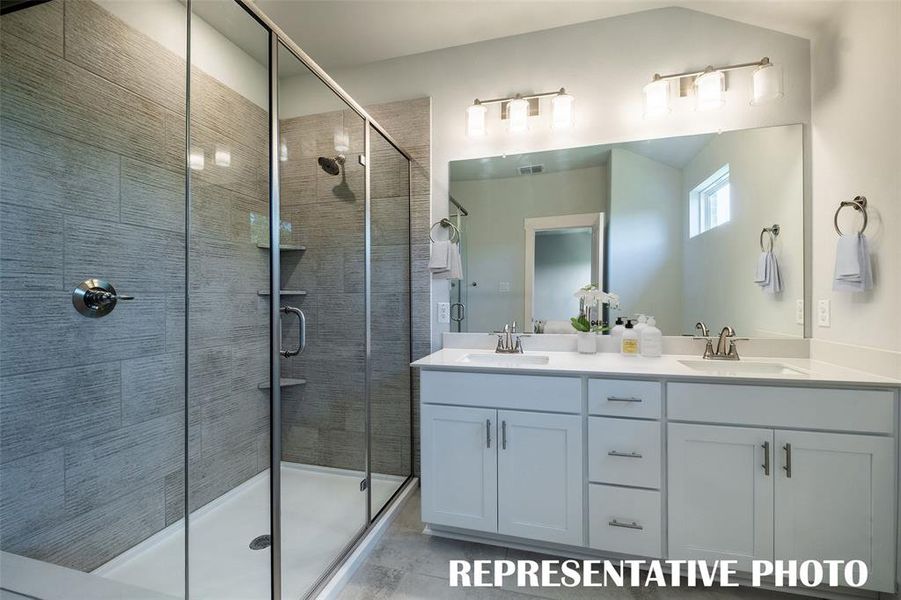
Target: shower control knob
{"type": "Point", "coordinates": [96, 298]}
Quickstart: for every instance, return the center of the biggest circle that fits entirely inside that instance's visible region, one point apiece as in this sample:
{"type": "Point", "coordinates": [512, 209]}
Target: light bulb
{"type": "Point", "coordinates": [767, 83]}
{"type": "Point", "coordinates": [475, 120]}
{"type": "Point", "coordinates": [562, 110]}
{"type": "Point", "coordinates": [518, 115]}
{"type": "Point", "coordinates": [710, 90]}
{"type": "Point", "coordinates": [656, 98]}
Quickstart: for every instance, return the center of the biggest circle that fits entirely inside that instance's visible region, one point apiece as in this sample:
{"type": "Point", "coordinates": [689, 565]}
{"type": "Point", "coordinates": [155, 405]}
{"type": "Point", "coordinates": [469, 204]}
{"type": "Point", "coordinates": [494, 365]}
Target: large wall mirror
{"type": "Point", "coordinates": [696, 228]}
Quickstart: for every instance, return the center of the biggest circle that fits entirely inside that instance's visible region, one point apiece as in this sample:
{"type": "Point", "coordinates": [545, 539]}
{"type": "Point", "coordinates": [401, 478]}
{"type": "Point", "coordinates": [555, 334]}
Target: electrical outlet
{"type": "Point", "coordinates": [503, 287]}
{"type": "Point", "coordinates": [824, 317]}
{"type": "Point", "coordinates": [444, 312]}
{"type": "Point", "coordinates": [799, 312]}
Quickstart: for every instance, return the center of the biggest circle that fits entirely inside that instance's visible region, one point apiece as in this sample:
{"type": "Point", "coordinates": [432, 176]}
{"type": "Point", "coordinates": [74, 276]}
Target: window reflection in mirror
{"type": "Point", "coordinates": [680, 235]}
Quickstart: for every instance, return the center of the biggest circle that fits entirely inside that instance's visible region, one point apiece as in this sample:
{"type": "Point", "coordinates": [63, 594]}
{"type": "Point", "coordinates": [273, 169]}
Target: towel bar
{"type": "Point", "coordinates": [859, 204]}
{"type": "Point", "coordinates": [454, 235]}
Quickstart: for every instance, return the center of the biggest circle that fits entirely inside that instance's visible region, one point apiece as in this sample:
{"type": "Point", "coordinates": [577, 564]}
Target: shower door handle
{"type": "Point", "coordinates": [460, 314]}
{"type": "Point", "coordinates": [302, 332]}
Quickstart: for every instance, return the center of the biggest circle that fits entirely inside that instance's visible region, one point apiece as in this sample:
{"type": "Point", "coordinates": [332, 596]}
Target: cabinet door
{"type": "Point", "coordinates": [459, 467]}
{"type": "Point", "coordinates": [720, 493]}
{"type": "Point", "coordinates": [837, 501]}
{"type": "Point", "coordinates": [540, 476]}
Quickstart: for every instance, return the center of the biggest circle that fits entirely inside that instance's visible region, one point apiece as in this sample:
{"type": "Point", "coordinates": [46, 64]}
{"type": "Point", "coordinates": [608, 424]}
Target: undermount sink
{"type": "Point", "coordinates": [740, 367]}
{"type": "Point", "coordinates": [506, 360]}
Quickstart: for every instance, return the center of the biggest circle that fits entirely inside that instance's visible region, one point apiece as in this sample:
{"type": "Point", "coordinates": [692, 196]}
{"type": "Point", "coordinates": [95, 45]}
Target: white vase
{"type": "Point", "coordinates": [587, 343]}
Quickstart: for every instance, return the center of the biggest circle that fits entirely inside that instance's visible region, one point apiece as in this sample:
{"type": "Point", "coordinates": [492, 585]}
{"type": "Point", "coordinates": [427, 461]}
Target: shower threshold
{"type": "Point", "coordinates": [322, 510]}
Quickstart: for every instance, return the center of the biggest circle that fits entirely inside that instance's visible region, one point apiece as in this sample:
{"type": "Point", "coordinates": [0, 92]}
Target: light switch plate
{"type": "Point", "coordinates": [824, 317]}
{"type": "Point", "coordinates": [799, 312]}
{"type": "Point", "coordinates": [444, 312]}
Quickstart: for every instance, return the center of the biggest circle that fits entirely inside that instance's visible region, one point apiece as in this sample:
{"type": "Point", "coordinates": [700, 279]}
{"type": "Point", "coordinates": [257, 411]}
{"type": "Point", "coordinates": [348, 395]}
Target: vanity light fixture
{"type": "Point", "coordinates": [517, 109]}
{"type": "Point", "coordinates": [709, 87]}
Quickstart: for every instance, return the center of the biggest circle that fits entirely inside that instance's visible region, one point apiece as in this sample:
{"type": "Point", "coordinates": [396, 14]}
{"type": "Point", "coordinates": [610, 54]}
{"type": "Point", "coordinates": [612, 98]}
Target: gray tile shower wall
{"type": "Point", "coordinates": [324, 421]}
{"type": "Point", "coordinates": [92, 411]}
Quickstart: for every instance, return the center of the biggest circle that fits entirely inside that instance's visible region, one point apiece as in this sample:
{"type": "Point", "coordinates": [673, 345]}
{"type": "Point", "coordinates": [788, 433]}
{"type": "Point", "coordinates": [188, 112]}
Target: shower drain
{"type": "Point", "coordinates": [261, 542]}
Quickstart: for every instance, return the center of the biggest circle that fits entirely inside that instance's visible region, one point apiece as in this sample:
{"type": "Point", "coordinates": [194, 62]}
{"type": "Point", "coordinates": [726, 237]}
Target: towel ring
{"type": "Point", "coordinates": [773, 231]}
{"type": "Point", "coordinates": [454, 234]}
{"type": "Point", "coordinates": [859, 204]}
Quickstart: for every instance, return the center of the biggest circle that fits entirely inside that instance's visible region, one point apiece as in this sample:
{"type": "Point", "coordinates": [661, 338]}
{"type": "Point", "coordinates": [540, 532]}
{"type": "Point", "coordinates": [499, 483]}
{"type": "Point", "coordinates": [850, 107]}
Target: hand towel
{"type": "Point", "coordinates": [440, 258]}
{"type": "Point", "coordinates": [454, 262]}
{"type": "Point", "coordinates": [773, 283]}
{"type": "Point", "coordinates": [760, 277]}
{"type": "Point", "coordinates": [853, 270]}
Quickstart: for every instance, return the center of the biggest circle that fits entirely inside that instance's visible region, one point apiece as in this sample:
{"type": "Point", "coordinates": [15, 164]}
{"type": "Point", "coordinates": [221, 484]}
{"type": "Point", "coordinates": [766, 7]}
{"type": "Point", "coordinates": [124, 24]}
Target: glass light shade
{"type": "Point", "coordinates": [342, 140]}
{"type": "Point", "coordinates": [196, 159]}
{"type": "Point", "coordinates": [475, 120]}
{"type": "Point", "coordinates": [767, 84]}
{"type": "Point", "coordinates": [518, 115]}
{"type": "Point", "coordinates": [223, 157]}
{"type": "Point", "coordinates": [710, 90]}
{"type": "Point", "coordinates": [562, 111]}
{"type": "Point", "coordinates": [656, 99]}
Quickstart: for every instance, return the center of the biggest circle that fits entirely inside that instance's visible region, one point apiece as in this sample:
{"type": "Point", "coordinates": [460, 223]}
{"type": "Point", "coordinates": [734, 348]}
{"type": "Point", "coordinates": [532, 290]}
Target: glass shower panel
{"type": "Point", "coordinates": [322, 192]}
{"type": "Point", "coordinates": [92, 194]}
{"type": "Point", "coordinates": [228, 305]}
{"type": "Point", "coordinates": [389, 366]}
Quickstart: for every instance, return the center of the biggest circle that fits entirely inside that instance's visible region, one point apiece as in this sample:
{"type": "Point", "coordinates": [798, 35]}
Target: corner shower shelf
{"type": "Point", "coordinates": [284, 247]}
{"type": "Point", "coordinates": [284, 382]}
{"type": "Point", "coordinates": [283, 293]}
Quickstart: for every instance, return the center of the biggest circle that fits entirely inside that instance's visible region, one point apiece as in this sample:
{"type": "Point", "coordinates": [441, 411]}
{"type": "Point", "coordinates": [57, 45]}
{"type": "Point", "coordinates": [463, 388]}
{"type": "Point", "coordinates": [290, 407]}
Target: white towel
{"type": "Point", "coordinates": [768, 276]}
{"type": "Point", "coordinates": [454, 262]}
{"type": "Point", "coordinates": [440, 258]}
{"type": "Point", "coordinates": [853, 270]}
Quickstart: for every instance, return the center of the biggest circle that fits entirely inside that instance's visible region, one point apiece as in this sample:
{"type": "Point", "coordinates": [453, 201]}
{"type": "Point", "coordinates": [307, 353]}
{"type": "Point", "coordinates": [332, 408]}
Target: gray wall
{"type": "Point", "coordinates": [92, 411]}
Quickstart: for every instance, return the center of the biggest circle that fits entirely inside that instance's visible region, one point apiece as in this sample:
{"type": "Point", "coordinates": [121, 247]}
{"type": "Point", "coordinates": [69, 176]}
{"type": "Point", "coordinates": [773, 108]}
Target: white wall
{"type": "Point", "coordinates": [766, 179]}
{"type": "Point", "coordinates": [644, 250]}
{"type": "Point", "coordinates": [856, 149]}
{"type": "Point", "coordinates": [494, 234]}
{"type": "Point", "coordinates": [604, 64]}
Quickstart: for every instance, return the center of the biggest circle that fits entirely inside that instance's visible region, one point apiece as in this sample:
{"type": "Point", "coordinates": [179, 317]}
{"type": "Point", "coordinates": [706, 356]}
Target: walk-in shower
{"type": "Point", "coordinates": [196, 399]}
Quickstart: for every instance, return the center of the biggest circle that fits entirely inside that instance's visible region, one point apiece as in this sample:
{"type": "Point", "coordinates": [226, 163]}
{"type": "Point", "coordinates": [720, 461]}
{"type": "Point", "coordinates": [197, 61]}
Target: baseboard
{"type": "Point", "coordinates": [367, 544]}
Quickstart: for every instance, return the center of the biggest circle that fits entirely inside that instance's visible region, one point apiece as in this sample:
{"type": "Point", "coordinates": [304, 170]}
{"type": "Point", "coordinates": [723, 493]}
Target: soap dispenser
{"type": "Point", "coordinates": [629, 345]}
{"type": "Point", "coordinates": [651, 342]}
{"type": "Point", "coordinates": [616, 334]}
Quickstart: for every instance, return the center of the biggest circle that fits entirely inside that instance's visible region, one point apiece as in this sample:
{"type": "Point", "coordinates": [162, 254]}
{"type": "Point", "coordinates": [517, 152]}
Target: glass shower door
{"type": "Point", "coordinates": [322, 197]}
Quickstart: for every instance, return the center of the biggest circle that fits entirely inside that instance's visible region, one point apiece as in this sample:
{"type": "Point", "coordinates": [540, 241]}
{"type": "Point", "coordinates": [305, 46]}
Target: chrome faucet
{"type": "Point", "coordinates": [507, 340]}
{"type": "Point", "coordinates": [721, 352]}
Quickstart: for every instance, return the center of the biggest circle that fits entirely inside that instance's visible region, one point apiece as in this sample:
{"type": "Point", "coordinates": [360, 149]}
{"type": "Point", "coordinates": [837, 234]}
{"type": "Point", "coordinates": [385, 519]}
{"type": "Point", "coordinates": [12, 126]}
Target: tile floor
{"type": "Point", "coordinates": [409, 565]}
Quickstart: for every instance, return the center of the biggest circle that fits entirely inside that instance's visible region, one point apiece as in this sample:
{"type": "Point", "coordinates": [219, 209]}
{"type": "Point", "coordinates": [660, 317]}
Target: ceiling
{"type": "Point", "coordinates": [675, 152]}
{"type": "Point", "coordinates": [345, 33]}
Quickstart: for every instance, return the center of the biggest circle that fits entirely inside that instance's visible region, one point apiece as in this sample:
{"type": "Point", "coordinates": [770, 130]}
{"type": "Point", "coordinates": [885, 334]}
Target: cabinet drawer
{"type": "Point", "coordinates": [866, 411]}
{"type": "Point", "coordinates": [624, 520]}
{"type": "Point", "coordinates": [624, 452]}
{"type": "Point", "coordinates": [517, 392]}
{"type": "Point", "coordinates": [623, 398]}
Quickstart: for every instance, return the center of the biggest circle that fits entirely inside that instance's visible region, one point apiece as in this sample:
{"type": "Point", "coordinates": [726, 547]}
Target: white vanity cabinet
{"type": "Point", "coordinates": [745, 493]}
{"type": "Point", "coordinates": [512, 472]}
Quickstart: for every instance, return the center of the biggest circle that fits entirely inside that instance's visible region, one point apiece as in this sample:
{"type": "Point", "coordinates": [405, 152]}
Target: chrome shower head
{"type": "Point", "coordinates": [332, 166]}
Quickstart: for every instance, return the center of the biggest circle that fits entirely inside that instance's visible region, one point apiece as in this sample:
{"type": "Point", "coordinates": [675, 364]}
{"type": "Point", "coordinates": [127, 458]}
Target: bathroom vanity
{"type": "Point", "coordinates": [673, 457]}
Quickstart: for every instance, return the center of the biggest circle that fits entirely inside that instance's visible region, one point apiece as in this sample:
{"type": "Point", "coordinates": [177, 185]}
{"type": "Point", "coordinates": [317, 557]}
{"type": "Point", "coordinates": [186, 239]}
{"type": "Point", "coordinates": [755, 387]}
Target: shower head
{"type": "Point", "coordinates": [332, 166]}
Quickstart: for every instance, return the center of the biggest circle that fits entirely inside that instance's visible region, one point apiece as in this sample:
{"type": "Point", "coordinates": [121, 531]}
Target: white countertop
{"type": "Point", "coordinates": [664, 367]}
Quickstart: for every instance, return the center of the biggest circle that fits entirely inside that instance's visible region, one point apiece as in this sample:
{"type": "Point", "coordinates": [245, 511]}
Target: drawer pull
{"type": "Point", "coordinates": [766, 458]}
{"type": "Point", "coordinates": [622, 399]}
{"type": "Point", "coordinates": [624, 454]}
{"type": "Point", "coordinates": [488, 433]}
{"type": "Point", "coordinates": [632, 525]}
{"type": "Point", "coordinates": [788, 460]}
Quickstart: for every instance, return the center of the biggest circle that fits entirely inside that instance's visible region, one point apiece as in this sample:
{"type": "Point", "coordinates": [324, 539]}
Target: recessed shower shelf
{"type": "Point", "coordinates": [284, 247]}
{"type": "Point", "coordinates": [284, 382]}
{"type": "Point", "coordinates": [283, 293]}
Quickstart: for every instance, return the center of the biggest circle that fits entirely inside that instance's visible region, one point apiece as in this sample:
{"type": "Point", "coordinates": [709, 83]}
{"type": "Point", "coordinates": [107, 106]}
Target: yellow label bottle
{"type": "Point", "coordinates": [629, 344]}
